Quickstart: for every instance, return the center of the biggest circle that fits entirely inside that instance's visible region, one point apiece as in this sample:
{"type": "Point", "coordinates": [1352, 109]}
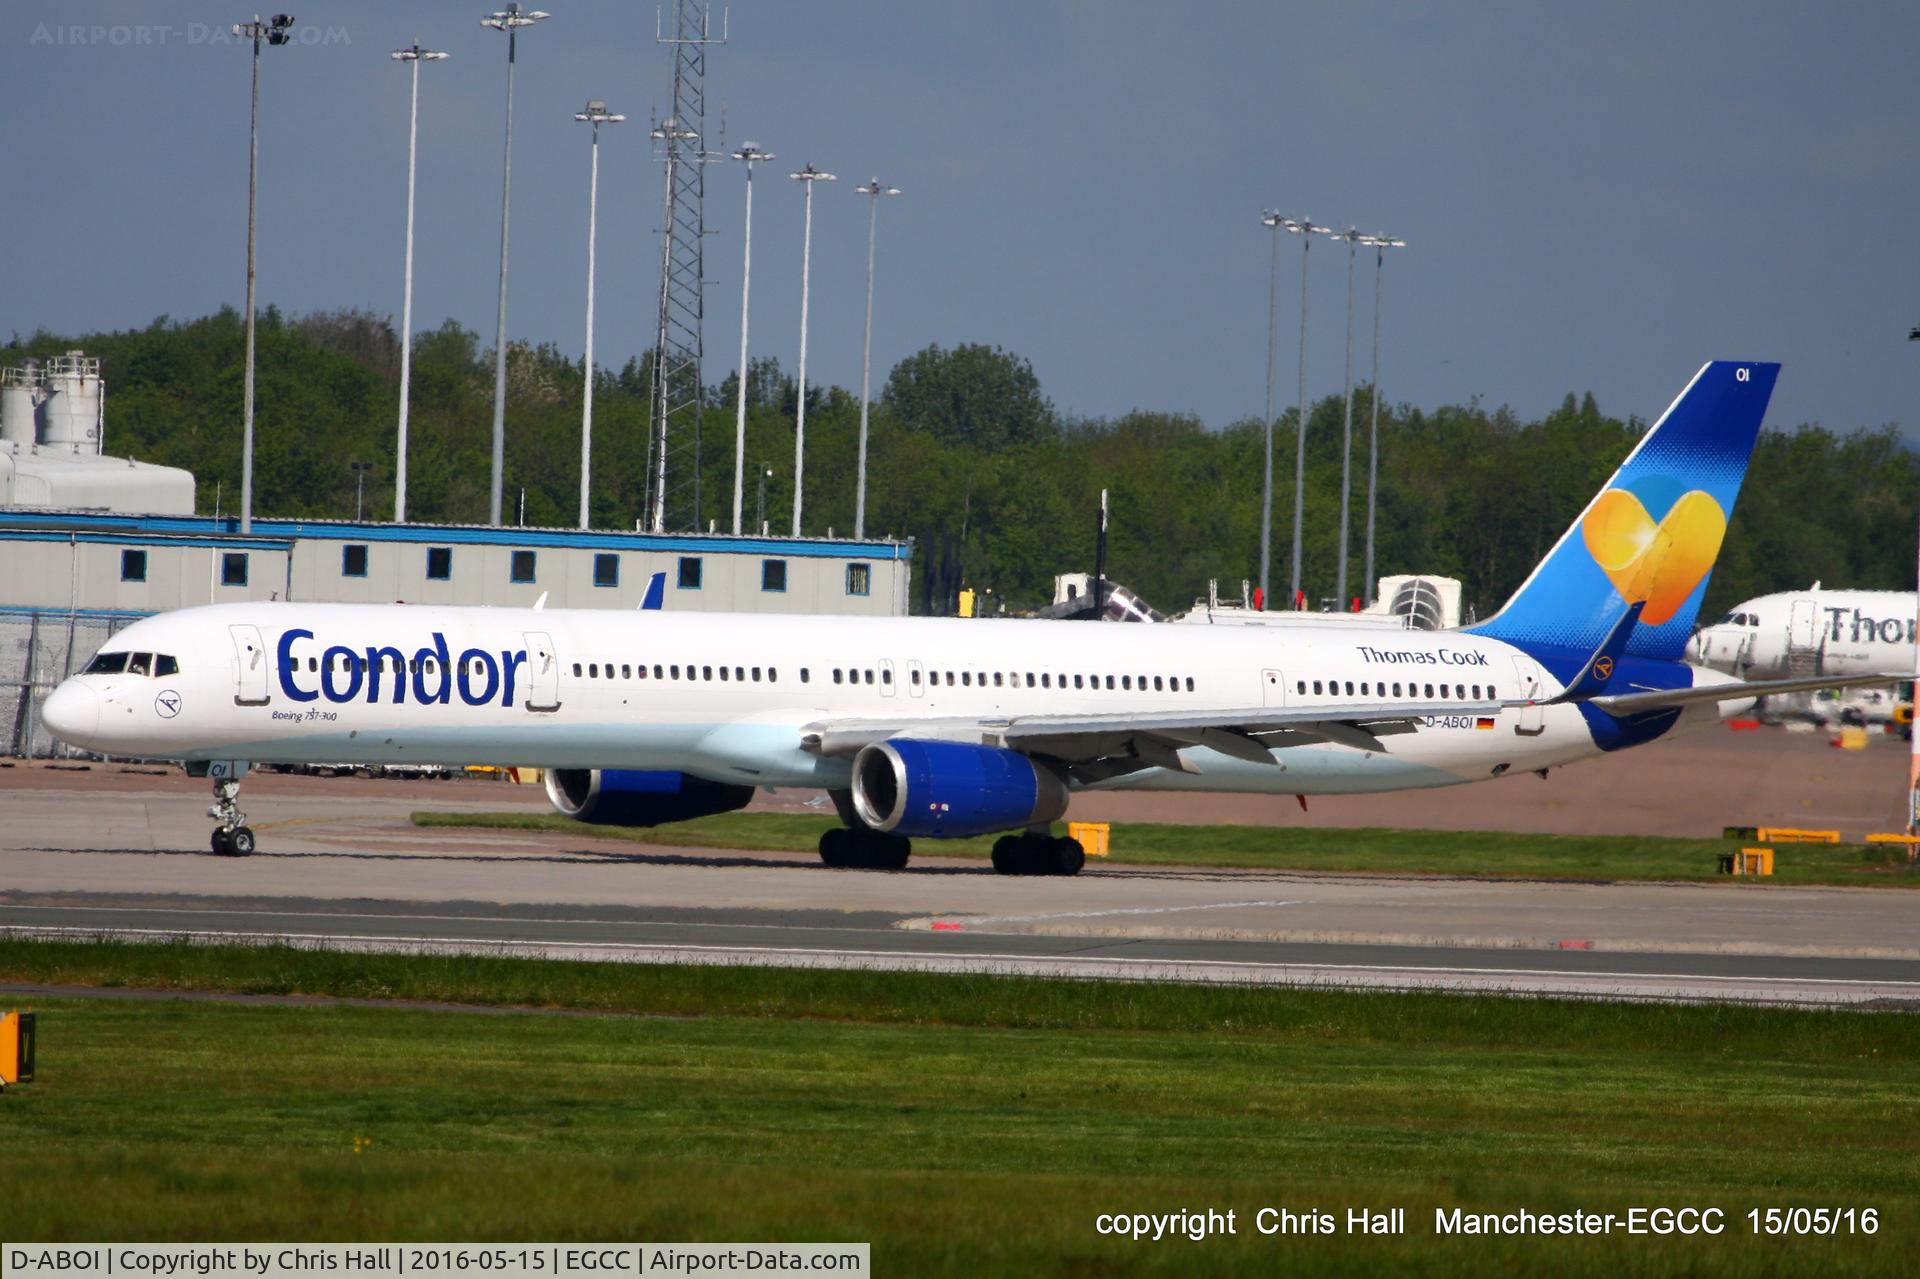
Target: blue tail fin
{"type": "Point", "coordinates": [1651, 535]}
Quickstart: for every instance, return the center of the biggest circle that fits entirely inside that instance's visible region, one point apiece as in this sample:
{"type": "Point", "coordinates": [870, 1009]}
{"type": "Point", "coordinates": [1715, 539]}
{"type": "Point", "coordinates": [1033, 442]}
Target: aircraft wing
{"type": "Point", "coordinates": [1094, 747]}
{"type": "Point", "coordinates": [1661, 699]}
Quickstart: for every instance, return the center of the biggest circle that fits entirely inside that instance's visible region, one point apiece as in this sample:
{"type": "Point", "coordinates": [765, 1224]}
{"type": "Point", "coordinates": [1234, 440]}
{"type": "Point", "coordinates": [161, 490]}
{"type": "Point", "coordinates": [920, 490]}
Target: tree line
{"type": "Point", "coordinates": [968, 457]}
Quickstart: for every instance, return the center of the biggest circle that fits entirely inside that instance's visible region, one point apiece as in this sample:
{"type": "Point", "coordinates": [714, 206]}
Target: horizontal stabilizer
{"type": "Point", "coordinates": [1660, 699]}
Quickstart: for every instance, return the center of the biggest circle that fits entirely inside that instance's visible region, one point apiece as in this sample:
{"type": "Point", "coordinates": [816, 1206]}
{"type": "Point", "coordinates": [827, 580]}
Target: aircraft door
{"type": "Point", "coordinates": [1273, 689]}
{"type": "Point", "coordinates": [1532, 720]}
{"type": "Point", "coordinates": [916, 680]}
{"type": "Point", "coordinates": [886, 677]}
{"type": "Point", "coordinates": [249, 666]}
{"type": "Point", "coordinates": [543, 672]}
{"type": "Point", "coordinates": [1803, 638]}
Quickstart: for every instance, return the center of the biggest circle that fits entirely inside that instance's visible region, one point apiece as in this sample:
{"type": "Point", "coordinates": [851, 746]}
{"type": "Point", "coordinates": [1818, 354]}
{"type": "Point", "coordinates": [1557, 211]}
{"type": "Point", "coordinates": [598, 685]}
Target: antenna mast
{"type": "Point", "coordinates": [673, 445]}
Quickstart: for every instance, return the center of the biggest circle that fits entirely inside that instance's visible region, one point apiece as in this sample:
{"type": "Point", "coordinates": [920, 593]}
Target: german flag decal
{"type": "Point", "coordinates": [1483, 722]}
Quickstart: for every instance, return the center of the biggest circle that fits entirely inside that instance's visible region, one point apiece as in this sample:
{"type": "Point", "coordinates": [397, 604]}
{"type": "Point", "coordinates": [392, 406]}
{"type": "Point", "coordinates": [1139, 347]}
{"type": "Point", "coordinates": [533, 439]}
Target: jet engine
{"type": "Point", "coordinates": [628, 797]}
{"type": "Point", "coordinates": [949, 790]}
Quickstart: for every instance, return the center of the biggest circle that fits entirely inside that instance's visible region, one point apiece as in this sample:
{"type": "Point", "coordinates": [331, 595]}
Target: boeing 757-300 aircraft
{"type": "Point", "coordinates": [934, 727]}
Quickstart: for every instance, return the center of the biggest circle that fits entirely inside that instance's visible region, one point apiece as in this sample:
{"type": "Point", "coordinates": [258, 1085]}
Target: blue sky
{"type": "Point", "coordinates": [1595, 197]}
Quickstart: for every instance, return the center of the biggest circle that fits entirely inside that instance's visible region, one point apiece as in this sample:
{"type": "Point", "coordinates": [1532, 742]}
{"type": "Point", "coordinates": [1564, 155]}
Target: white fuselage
{"type": "Point", "coordinates": [1812, 632]}
{"type": "Point", "coordinates": [729, 697]}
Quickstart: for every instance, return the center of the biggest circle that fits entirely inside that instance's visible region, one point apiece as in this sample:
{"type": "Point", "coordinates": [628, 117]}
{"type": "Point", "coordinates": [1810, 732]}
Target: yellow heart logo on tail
{"type": "Point", "coordinates": [1656, 563]}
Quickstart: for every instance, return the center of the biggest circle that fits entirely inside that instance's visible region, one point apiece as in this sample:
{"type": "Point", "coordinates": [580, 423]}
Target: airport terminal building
{"type": "Point", "coordinates": [90, 543]}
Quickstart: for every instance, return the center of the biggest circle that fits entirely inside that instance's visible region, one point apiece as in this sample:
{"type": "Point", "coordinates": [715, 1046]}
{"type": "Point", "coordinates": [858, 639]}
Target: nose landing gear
{"type": "Point", "coordinates": [232, 837]}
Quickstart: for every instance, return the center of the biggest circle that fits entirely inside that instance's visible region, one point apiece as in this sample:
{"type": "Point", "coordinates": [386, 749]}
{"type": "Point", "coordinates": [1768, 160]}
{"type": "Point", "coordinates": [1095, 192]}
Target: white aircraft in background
{"type": "Point", "coordinates": [938, 727]}
{"type": "Point", "coordinates": [1812, 632]}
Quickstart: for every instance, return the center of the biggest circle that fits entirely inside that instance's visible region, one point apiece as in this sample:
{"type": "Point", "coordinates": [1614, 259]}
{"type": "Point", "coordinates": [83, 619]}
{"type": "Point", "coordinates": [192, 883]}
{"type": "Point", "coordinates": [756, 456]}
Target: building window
{"type": "Point", "coordinates": [353, 560]}
{"type": "Point", "coordinates": [606, 570]}
{"type": "Point", "coordinates": [859, 579]}
{"type": "Point", "coordinates": [689, 579]}
{"type": "Point", "coordinates": [522, 568]}
{"type": "Point", "coordinates": [439, 563]}
{"type": "Point", "coordinates": [133, 566]}
{"type": "Point", "coordinates": [773, 575]}
{"type": "Point", "coordinates": [233, 568]}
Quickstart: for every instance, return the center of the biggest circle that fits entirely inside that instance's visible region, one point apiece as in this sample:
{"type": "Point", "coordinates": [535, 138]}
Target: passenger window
{"type": "Point", "coordinates": [773, 675]}
{"type": "Point", "coordinates": [869, 677]}
{"type": "Point", "coordinates": [1189, 683]}
{"type": "Point", "coordinates": [1316, 688]}
{"type": "Point", "coordinates": [165, 665]}
{"type": "Point", "coordinates": [706, 672]}
{"type": "Point", "coordinates": [675, 670]}
{"type": "Point", "coordinates": [593, 670]}
{"type": "Point", "coordinates": [966, 677]}
{"type": "Point", "coordinates": [836, 675]}
{"type": "Point", "coordinates": [1029, 679]}
{"type": "Point", "coordinates": [1429, 692]}
{"type": "Point", "coordinates": [949, 679]}
{"type": "Point", "coordinates": [914, 676]}
{"type": "Point", "coordinates": [1109, 682]}
{"type": "Point", "coordinates": [806, 676]}
{"type": "Point", "coordinates": [1476, 692]}
{"type": "Point", "coordinates": [1460, 691]}
{"type": "Point", "coordinates": [1076, 681]}
{"type": "Point", "coordinates": [756, 674]}
{"type": "Point", "coordinates": [1492, 693]}
{"type": "Point", "coordinates": [1303, 686]}
{"type": "Point", "coordinates": [723, 674]}
{"type": "Point", "coordinates": [997, 679]}
{"type": "Point", "coordinates": [1156, 684]}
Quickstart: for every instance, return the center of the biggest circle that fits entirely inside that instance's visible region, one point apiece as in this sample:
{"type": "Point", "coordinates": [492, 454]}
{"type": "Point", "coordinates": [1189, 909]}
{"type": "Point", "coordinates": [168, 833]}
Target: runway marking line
{"type": "Point", "coordinates": [946, 924]}
{"type": "Point", "coordinates": [1112, 961]}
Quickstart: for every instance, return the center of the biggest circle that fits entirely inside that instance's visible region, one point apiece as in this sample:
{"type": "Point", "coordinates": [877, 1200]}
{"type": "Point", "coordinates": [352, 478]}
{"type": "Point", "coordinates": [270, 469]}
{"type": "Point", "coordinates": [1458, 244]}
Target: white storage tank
{"type": "Point", "coordinates": [20, 404]}
{"type": "Point", "coordinates": [70, 416]}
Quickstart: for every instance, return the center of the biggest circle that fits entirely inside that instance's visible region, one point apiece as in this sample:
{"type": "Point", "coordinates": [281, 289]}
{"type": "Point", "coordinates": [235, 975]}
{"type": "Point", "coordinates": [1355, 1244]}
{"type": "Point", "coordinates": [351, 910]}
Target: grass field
{"type": "Point", "coordinates": [962, 1124]}
{"type": "Point", "coordinates": [1285, 848]}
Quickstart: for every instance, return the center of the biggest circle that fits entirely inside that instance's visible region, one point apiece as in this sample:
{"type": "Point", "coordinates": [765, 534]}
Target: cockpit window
{"type": "Point", "coordinates": [107, 664]}
{"type": "Point", "coordinates": [140, 664]}
{"type": "Point", "coordinates": [164, 664]}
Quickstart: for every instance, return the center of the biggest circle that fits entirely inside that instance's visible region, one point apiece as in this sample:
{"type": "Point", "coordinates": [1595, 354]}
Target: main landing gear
{"type": "Point", "coordinates": [858, 846]}
{"type": "Point", "coordinates": [1033, 853]}
{"type": "Point", "coordinates": [232, 837]}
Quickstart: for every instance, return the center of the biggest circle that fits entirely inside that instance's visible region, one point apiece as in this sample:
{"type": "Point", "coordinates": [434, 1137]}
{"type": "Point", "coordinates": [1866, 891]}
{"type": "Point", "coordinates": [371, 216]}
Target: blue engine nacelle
{"type": "Point", "coordinates": [627, 797]}
{"type": "Point", "coordinates": [948, 790]}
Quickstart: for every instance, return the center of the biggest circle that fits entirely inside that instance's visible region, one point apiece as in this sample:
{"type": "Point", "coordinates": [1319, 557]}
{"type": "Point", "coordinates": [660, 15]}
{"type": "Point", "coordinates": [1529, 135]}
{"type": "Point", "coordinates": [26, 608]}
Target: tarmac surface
{"type": "Point", "coordinates": [117, 851]}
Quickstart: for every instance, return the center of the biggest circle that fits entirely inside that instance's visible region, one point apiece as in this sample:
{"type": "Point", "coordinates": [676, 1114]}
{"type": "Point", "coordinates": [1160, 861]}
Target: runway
{"type": "Point", "coordinates": [345, 869]}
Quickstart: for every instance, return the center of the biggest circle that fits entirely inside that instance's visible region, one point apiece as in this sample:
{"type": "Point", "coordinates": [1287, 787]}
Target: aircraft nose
{"type": "Point", "coordinates": [72, 712]}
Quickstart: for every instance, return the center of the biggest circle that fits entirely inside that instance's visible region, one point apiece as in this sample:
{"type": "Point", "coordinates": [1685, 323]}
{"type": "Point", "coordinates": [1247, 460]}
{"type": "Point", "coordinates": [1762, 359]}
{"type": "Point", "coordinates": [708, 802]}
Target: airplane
{"type": "Point", "coordinates": [944, 727]}
{"type": "Point", "coordinates": [1812, 632]}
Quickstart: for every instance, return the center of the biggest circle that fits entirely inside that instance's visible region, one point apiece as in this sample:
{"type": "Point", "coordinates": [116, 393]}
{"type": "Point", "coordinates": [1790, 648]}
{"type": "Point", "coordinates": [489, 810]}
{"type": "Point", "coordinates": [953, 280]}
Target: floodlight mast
{"type": "Point", "coordinates": [275, 31]}
{"type": "Point", "coordinates": [873, 191]}
{"type": "Point", "coordinates": [595, 114]}
{"type": "Point", "coordinates": [1380, 243]}
{"type": "Point", "coordinates": [749, 154]}
{"type": "Point", "coordinates": [1352, 238]}
{"type": "Point", "coordinates": [1274, 221]}
{"type": "Point", "coordinates": [807, 177]}
{"type": "Point", "coordinates": [413, 55]}
{"type": "Point", "coordinates": [510, 20]}
{"type": "Point", "coordinates": [1306, 230]}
